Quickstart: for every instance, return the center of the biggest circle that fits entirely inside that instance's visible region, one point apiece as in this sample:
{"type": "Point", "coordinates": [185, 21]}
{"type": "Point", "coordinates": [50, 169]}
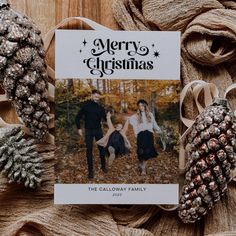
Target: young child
{"type": "Point", "coordinates": [115, 140]}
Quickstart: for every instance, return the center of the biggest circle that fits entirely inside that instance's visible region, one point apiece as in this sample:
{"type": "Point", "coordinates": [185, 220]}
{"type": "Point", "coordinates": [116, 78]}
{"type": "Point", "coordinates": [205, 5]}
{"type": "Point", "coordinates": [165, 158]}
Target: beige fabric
{"type": "Point", "coordinates": [134, 216]}
{"type": "Point", "coordinates": [67, 220]}
{"type": "Point", "coordinates": [175, 15]}
{"type": "Point", "coordinates": [209, 28]}
{"type": "Point", "coordinates": [126, 231]}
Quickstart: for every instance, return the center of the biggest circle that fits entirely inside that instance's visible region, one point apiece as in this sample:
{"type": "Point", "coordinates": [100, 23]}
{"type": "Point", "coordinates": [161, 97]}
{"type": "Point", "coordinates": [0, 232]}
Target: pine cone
{"type": "Point", "coordinates": [23, 69]}
{"type": "Point", "coordinates": [211, 157]}
{"type": "Point", "coordinates": [18, 159]}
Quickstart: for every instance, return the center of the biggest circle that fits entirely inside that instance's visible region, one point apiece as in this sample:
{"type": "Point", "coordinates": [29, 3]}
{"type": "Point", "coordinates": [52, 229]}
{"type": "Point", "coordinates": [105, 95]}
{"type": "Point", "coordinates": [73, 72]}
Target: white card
{"type": "Point", "coordinates": [124, 67]}
{"type": "Point", "coordinates": [117, 54]}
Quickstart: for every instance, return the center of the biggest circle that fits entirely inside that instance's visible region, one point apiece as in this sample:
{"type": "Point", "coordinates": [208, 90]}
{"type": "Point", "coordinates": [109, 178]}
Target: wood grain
{"type": "Point", "coordinates": [43, 14]}
{"type": "Point", "coordinates": [91, 9]}
{"type": "Point", "coordinates": [19, 5]}
{"type": "Point", "coordinates": [222, 219]}
{"type": "Point", "coordinates": [106, 15]}
{"type": "Point", "coordinates": [66, 9]}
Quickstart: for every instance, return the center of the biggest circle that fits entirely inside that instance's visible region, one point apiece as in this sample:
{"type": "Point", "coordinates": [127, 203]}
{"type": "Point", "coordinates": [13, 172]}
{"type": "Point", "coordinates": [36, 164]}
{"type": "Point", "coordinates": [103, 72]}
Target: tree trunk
{"type": "Point", "coordinates": [124, 97]}
{"type": "Point", "coordinates": [104, 85]}
{"type": "Point", "coordinates": [121, 96]}
{"type": "Point", "coordinates": [90, 82]}
{"type": "Point", "coordinates": [153, 102]}
{"type": "Point", "coordinates": [70, 85]}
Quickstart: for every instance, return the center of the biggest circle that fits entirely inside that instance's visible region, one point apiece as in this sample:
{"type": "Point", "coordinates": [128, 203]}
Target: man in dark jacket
{"type": "Point", "coordinates": [93, 114]}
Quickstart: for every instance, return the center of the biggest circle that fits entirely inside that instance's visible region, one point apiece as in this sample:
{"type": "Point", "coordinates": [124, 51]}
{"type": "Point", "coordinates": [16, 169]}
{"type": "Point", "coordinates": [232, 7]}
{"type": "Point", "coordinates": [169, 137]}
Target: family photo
{"type": "Point", "coordinates": [117, 131]}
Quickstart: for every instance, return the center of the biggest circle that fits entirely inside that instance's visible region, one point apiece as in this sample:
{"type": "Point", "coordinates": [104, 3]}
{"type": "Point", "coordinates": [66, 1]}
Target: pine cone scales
{"type": "Point", "coordinates": [18, 159]}
{"type": "Point", "coordinates": [212, 155]}
{"type": "Point", "coordinates": [23, 70]}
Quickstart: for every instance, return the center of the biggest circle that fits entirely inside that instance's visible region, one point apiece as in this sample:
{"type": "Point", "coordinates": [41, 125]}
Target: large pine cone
{"type": "Point", "coordinates": [23, 70]}
{"type": "Point", "coordinates": [211, 157]}
{"type": "Point", "coordinates": [18, 158]}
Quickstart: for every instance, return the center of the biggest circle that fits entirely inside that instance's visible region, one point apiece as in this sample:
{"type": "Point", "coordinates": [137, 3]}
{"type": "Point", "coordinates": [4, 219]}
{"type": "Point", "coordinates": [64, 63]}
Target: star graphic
{"type": "Point", "coordinates": [80, 50]}
{"type": "Point", "coordinates": [156, 54]}
{"type": "Point", "coordinates": [84, 42]}
{"type": "Point", "coordinates": [153, 45]}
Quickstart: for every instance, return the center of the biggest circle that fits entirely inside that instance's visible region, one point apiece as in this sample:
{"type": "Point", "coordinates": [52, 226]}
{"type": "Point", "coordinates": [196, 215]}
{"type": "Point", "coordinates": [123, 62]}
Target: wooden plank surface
{"type": "Point", "coordinates": [48, 13]}
{"type": "Point", "coordinates": [106, 15]}
{"type": "Point", "coordinates": [19, 5]}
{"type": "Point", "coordinates": [66, 9]}
{"type": "Point", "coordinates": [41, 11]}
{"type": "Point", "coordinates": [222, 219]}
{"type": "Point", "coordinates": [91, 9]}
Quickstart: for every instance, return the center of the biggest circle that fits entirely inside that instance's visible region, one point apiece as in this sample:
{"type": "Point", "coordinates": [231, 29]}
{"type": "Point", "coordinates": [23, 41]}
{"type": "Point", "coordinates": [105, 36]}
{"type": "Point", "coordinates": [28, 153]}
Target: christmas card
{"type": "Point", "coordinates": [117, 116]}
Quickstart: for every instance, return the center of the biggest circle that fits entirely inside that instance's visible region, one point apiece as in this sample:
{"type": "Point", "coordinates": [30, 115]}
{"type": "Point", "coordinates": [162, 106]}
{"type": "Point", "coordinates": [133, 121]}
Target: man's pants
{"type": "Point", "coordinates": [90, 134]}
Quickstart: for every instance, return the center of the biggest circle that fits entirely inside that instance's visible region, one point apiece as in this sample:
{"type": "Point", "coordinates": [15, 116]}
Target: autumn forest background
{"type": "Point", "coordinates": [120, 98]}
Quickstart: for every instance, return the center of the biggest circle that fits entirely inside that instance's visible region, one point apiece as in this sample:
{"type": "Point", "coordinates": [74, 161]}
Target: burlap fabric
{"type": "Point", "coordinates": [208, 53]}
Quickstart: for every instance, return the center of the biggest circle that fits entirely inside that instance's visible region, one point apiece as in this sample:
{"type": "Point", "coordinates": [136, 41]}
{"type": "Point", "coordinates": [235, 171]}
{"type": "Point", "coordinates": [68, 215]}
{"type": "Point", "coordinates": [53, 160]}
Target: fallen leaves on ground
{"type": "Point", "coordinates": [72, 167]}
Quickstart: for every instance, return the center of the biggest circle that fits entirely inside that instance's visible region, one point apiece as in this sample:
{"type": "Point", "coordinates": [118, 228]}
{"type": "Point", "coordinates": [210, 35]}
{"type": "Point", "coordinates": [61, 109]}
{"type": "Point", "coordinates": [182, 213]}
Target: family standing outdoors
{"type": "Point", "coordinates": [115, 143]}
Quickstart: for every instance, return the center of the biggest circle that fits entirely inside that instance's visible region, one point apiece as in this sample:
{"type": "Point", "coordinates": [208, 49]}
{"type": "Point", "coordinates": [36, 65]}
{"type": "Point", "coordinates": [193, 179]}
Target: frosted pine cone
{"type": "Point", "coordinates": [23, 70]}
{"type": "Point", "coordinates": [18, 159]}
{"type": "Point", "coordinates": [211, 157]}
